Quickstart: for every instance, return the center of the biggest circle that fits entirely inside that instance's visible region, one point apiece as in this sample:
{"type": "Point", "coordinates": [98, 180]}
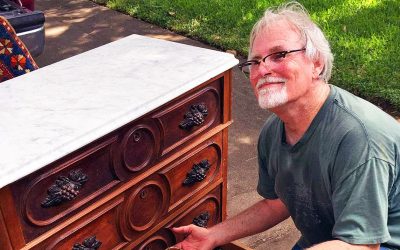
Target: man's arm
{"type": "Point", "coordinates": [338, 244]}
{"type": "Point", "coordinates": [257, 218]}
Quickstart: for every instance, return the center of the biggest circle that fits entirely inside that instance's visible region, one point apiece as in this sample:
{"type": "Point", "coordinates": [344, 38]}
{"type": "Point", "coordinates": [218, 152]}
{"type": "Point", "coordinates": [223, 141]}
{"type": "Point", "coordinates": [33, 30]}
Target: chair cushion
{"type": "Point", "coordinates": [15, 59]}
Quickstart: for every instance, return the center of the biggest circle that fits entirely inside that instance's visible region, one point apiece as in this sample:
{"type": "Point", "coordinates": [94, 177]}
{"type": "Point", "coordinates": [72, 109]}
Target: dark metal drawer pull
{"type": "Point", "coordinates": [202, 220]}
{"type": "Point", "coordinates": [194, 117]}
{"type": "Point", "coordinates": [198, 173]}
{"type": "Point", "coordinates": [65, 188]}
{"type": "Point", "coordinates": [88, 244]}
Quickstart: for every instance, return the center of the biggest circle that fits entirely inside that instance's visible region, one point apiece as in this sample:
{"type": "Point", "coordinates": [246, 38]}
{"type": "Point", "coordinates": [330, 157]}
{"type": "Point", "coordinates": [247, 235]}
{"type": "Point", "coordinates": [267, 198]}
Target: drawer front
{"type": "Point", "coordinates": [97, 230]}
{"type": "Point", "coordinates": [206, 213]}
{"type": "Point", "coordinates": [195, 171]}
{"type": "Point", "coordinates": [49, 197]}
{"type": "Point", "coordinates": [194, 114]}
{"type": "Point", "coordinates": [156, 197]}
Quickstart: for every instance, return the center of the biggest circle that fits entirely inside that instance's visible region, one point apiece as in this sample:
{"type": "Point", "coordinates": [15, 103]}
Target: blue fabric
{"type": "Point", "coordinates": [15, 59]}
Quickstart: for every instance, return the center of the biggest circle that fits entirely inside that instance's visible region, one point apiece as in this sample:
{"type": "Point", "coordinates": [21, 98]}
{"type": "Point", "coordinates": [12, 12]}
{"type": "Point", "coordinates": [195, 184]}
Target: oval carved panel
{"type": "Point", "coordinates": [158, 241]}
{"type": "Point", "coordinates": [145, 205]}
{"type": "Point", "coordinates": [139, 148]}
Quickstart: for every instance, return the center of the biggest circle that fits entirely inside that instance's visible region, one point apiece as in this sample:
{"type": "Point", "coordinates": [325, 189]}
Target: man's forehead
{"type": "Point", "coordinates": [275, 37]}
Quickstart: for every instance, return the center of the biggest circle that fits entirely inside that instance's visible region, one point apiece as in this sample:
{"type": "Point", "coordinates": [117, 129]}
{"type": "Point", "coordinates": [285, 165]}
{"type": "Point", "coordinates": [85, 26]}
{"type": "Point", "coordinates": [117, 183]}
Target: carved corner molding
{"type": "Point", "coordinates": [197, 173]}
{"type": "Point", "coordinates": [195, 116]}
{"type": "Point", "coordinates": [64, 188]}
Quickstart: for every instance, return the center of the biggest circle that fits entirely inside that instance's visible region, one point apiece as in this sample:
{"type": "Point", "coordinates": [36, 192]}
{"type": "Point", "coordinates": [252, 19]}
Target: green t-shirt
{"type": "Point", "coordinates": [341, 179]}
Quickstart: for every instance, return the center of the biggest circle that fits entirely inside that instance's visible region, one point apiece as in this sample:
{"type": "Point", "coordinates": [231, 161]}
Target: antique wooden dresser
{"type": "Point", "coordinates": [112, 148]}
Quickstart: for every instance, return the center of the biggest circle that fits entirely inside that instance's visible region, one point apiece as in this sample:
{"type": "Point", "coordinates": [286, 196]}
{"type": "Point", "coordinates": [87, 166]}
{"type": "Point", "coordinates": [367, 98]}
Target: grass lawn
{"type": "Point", "coordinates": [364, 34]}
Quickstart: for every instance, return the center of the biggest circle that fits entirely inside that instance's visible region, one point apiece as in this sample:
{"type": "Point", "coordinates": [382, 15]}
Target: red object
{"type": "Point", "coordinates": [29, 4]}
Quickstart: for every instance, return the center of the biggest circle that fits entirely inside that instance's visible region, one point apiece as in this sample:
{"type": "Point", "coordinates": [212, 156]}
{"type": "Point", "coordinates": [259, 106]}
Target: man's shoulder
{"type": "Point", "coordinates": [358, 112]}
{"type": "Point", "coordinates": [365, 124]}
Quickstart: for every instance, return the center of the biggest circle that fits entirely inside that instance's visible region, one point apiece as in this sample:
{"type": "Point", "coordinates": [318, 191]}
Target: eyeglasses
{"type": "Point", "coordinates": [275, 57]}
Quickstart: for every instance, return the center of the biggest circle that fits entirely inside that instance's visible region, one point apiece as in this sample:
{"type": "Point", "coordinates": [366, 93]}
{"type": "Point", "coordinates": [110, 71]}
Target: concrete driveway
{"type": "Point", "coordinates": [75, 26]}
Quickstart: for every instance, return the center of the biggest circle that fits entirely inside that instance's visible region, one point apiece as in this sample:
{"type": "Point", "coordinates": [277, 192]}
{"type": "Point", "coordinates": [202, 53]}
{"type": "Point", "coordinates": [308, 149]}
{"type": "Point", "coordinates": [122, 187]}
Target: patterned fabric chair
{"type": "Point", "coordinates": [15, 59]}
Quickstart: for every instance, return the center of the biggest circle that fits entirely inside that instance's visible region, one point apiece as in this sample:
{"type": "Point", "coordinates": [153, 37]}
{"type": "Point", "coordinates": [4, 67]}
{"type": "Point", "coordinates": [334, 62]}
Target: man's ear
{"type": "Point", "coordinates": [318, 67]}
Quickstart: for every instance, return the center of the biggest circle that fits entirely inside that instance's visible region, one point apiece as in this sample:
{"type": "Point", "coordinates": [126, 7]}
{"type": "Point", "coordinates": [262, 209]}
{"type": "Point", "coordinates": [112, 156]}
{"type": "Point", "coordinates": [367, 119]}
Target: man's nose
{"type": "Point", "coordinates": [264, 68]}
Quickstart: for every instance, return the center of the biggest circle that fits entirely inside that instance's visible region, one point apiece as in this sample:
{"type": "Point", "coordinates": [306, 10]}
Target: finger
{"type": "Point", "coordinates": [175, 247]}
{"type": "Point", "coordinates": [182, 230]}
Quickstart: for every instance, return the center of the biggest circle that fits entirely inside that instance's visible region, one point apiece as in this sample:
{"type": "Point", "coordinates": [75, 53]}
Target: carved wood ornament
{"type": "Point", "coordinates": [88, 244]}
{"type": "Point", "coordinates": [64, 188]}
{"type": "Point", "coordinates": [195, 117]}
{"type": "Point", "coordinates": [198, 173]}
{"type": "Point", "coordinates": [202, 219]}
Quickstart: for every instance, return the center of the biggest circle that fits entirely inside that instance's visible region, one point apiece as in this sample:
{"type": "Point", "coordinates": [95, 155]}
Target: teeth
{"type": "Point", "coordinates": [270, 79]}
{"type": "Point", "coordinates": [274, 79]}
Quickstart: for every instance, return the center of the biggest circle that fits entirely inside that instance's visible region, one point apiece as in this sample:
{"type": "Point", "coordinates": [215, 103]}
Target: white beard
{"type": "Point", "coordinates": [272, 98]}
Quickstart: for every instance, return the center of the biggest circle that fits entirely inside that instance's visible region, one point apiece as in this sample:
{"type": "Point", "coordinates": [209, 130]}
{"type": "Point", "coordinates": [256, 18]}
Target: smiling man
{"type": "Point", "coordinates": [327, 158]}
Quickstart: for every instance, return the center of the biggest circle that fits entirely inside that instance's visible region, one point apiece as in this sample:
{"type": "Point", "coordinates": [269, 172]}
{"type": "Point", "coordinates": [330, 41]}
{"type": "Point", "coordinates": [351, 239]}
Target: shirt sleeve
{"type": "Point", "coordinates": [360, 204]}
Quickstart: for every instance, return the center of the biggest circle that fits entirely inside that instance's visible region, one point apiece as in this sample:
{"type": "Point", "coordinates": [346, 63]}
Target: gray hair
{"type": "Point", "coordinates": [317, 46]}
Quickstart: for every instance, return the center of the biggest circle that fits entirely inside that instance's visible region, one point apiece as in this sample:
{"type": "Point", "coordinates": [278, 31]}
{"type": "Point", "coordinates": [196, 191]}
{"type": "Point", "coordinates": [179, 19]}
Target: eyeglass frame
{"type": "Point", "coordinates": [258, 62]}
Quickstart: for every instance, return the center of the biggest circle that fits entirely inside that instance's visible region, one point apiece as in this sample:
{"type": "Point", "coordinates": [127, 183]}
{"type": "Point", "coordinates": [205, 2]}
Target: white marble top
{"type": "Point", "coordinates": [50, 112]}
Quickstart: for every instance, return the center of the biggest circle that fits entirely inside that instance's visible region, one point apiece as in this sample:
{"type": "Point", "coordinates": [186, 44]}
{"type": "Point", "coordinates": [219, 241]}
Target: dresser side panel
{"type": "Point", "coordinates": [11, 230]}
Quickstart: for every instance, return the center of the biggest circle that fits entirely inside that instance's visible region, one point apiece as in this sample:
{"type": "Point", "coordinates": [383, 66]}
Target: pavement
{"type": "Point", "coordinates": [75, 26]}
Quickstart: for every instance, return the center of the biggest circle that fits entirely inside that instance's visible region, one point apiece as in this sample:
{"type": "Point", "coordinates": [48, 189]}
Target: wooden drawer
{"type": "Point", "coordinates": [49, 196]}
{"type": "Point", "coordinates": [100, 227]}
{"type": "Point", "coordinates": [206, 212]}
{"type": "Point", "coordinates": [194, 171]}
{"type": "Point", "coordinates": [151, 201]}
{"type": "Point", "coordinates": [190, 116]}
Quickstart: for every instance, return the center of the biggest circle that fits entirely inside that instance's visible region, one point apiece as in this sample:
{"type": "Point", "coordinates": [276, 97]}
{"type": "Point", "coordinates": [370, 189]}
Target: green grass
{"type": "Point", "coordinates": [364, 34]}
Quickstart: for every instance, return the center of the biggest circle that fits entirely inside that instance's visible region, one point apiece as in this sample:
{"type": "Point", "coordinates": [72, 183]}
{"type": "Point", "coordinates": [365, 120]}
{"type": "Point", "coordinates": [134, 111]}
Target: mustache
{"type": "Point", "coordinates": [270, 79]}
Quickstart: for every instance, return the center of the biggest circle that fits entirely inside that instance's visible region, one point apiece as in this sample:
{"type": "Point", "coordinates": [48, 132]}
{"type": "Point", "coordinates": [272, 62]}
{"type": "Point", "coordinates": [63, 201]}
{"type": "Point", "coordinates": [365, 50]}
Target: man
{"type": "Point", "coordinates": [327, 158]}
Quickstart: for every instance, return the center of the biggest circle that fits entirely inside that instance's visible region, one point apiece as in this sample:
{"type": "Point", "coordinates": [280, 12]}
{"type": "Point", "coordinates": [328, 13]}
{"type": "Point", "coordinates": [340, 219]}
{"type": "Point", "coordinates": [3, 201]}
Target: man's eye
{"type": "Point", "coordinates": [253, 63]}
{"type": "Point", "coordinates": [278, 56]}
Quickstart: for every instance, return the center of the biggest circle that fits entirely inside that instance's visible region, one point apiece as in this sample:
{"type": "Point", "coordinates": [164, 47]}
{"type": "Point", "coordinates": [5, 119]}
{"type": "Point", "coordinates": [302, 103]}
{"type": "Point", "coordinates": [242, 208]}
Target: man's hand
{"type": "Point", "coordinates": [267, 213]}
{"type": "Point", "coordinates": [196, 238]}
